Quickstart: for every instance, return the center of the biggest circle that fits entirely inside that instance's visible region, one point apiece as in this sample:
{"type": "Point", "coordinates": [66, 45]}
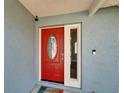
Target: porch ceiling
{"type": "Point", "coordinates": [43, 8]}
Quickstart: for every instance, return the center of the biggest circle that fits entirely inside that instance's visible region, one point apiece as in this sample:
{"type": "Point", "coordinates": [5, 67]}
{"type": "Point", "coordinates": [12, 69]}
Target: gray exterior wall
{"type": "Point", "coordinates": [100, 32]}
{"type": "Point", "coordinates": [19, 48]}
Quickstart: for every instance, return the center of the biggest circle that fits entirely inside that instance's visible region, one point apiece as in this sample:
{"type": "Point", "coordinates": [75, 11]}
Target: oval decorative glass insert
{"type": "Point", "coordinates": [52, 47]}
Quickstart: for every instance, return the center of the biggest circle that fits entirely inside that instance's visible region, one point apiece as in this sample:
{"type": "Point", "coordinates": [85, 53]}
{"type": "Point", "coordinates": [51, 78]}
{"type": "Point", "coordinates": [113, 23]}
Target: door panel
{"type": "Point", "coordinates": [52, 54]}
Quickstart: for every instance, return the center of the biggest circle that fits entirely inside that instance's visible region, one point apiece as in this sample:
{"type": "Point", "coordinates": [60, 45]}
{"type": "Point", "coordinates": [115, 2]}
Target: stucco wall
{"type": "Point", "coordinates": [100, 32]}
{"type": "Point", "coordinates": [19, 48]}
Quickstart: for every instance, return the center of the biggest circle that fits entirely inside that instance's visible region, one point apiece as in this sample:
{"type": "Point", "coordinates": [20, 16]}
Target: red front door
{"type": "Point", "coordinates": [52, 54]}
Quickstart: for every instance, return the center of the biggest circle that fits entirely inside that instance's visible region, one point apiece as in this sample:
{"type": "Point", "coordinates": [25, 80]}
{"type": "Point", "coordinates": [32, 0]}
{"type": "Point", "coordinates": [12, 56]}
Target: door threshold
{"type": "Point", "coordinates": [51, 84]}
{"type": "Point", "coordinates": [52, 81]}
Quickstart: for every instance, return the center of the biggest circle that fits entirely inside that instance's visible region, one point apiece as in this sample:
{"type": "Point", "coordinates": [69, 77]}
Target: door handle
{"type": "Point", "coordinates": [62, 56]}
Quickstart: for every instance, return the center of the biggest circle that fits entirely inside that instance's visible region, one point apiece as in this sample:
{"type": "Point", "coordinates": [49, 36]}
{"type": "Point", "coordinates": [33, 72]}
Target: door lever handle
{"type": "Point", "coordinates": [62, 56]}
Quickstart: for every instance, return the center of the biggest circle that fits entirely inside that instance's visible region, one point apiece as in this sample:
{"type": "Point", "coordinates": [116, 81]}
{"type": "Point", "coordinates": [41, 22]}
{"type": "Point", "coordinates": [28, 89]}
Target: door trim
{"type": "Point", "coordinates": [39, 77]}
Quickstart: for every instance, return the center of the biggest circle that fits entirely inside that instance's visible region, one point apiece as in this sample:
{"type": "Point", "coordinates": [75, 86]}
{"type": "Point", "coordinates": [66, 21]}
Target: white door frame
{"type": "Point", "coordinates": [39, 69]}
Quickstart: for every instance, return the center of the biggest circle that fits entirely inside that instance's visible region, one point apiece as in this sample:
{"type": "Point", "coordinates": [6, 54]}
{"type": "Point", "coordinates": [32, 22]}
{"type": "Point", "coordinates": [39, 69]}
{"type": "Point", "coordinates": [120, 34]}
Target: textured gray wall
{"type": "Point", "coordinates": [100, 32]}
{"type": "Point", "coordinates": [19, 48]}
